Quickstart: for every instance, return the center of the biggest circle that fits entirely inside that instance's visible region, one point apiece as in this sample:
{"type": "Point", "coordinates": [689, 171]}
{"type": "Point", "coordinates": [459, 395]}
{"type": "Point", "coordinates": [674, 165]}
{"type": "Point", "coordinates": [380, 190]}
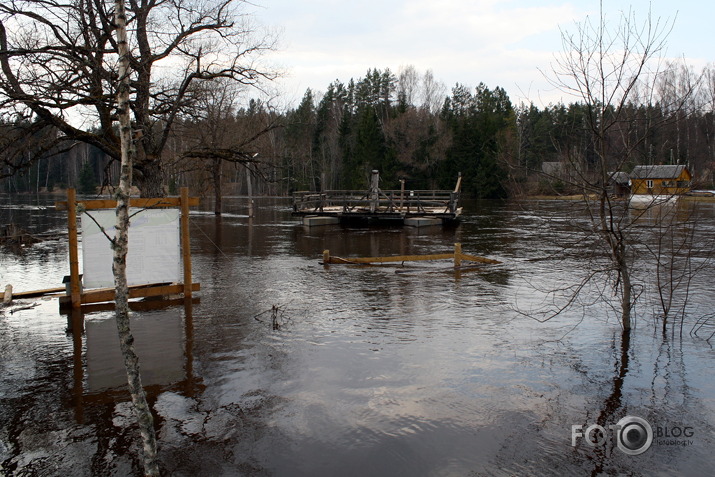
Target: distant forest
{"type": "Point", "coordinates": [406, 125]}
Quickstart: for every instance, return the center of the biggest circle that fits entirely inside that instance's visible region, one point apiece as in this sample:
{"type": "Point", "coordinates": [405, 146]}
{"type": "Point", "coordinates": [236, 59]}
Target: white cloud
{"type": "Point", "coordinates": [501, 43]}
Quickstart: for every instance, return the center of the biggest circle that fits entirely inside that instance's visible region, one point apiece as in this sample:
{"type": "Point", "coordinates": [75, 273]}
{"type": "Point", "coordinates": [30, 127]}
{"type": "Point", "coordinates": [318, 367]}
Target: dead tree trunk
{"type": "Point", "coordinates": [120, 247]}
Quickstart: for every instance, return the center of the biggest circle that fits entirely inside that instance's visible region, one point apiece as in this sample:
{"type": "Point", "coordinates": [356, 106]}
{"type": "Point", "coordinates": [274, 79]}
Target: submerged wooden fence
{"type": "Point", "coordinates": [457, 256]}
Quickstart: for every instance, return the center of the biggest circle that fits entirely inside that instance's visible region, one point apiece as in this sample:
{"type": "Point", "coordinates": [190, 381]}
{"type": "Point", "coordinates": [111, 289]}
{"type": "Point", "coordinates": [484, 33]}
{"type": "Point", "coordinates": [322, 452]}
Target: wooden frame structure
{"type": "Point", "coordinates": [377, 205]}
{"type": "Point", "coordinates": [415, 203]}
{"type": "Point", "coordinates": [78, 297]}
{"type": "Point", "coordinates": [457, 256]}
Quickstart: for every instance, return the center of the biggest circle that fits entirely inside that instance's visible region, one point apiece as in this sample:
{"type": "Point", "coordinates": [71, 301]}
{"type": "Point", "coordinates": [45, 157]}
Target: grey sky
{"type": "Point", "coordinates": [501, 43]}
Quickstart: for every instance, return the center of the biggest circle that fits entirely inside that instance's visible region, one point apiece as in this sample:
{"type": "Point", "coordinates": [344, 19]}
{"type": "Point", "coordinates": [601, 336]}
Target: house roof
{"type": "Point", "coordinates": [619, 177]}
{"type": "Point", "coordinates": [657, 172]}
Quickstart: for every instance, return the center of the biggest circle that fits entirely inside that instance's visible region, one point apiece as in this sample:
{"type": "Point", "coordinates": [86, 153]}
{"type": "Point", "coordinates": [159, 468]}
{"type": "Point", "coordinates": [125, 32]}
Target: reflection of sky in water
{"type": "Point", "coordinates": [158, 341]}
{"type": "Point", "coordinates": [374, 372]}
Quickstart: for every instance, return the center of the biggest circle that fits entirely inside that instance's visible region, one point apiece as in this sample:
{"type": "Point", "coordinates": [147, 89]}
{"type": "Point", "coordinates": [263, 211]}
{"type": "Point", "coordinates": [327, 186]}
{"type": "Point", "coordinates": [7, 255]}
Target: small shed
{"type": "Point", "coordinates": [618, 184]}
{"type": "Point", "coordinates": [660, 180]}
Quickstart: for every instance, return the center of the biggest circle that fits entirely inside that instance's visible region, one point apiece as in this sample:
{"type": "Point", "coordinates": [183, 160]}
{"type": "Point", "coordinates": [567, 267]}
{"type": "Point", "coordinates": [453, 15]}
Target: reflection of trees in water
{"type": "Point", "coordinates": [676, 246]}
{"type": "Point", "coordinates": [668, 386]}
{"type": "Point", "coordinates": [610, 414]}
{"type": "Point", "coordinates": [196, 434]}
{"type": "Point", "coordinates": [613, 402]}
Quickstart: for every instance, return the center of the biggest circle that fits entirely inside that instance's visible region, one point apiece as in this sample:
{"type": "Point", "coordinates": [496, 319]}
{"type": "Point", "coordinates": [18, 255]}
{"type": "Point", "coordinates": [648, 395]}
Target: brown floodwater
{"type": "Point", "coordinates": [287, 367]}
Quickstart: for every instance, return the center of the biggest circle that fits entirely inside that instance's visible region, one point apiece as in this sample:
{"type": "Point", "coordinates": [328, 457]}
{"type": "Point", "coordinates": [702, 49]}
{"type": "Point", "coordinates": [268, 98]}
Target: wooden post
{"type": "Point", "coordinates": [457, 255]}
{"type": "Point", "coordinates": [458, 186]}
{"type": "Point", "coordinates": [374, 190]}
{"type": "Point", "coordinates": [402, 193]}
{"type": "Point", "coordinates": [249, 186]}
{"type": "Point", "coordinates": [75, 294]}
{"type": "Point", "coordinates": [454, 196]}
{"type": "Point", "coordinates": [185, 243]}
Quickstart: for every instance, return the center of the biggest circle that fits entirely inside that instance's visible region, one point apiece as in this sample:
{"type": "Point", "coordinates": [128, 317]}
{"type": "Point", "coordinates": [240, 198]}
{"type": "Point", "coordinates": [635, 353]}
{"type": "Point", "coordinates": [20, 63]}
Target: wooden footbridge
{"type": "Point", "coordinates": [408, 207]}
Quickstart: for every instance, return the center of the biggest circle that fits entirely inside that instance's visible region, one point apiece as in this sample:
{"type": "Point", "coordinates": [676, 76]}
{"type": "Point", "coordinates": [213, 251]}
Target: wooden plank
{"type": "Point", "coordinates": [398, 258]}
{"type": "Point", "coordinates": [38, 293]}
{"type": "Point", "coordinates": [140, 202]}
{"type": "Point", "coordinates": [142, 291]}
{"type": "Point", "coordinates": [474, 258]}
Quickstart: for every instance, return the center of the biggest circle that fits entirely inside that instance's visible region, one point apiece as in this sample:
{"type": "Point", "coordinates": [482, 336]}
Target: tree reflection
{"type": "Point", "coordinates": [613, 403]}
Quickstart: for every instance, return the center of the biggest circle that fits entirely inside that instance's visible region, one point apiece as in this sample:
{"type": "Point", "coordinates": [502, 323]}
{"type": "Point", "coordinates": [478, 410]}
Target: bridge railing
{"type": "Point", "coordinates": [386, 201]}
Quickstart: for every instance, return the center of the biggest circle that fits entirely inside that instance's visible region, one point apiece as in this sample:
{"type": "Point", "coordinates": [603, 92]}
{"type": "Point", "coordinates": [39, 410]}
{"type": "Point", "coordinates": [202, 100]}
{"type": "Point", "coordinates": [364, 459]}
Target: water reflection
{"type": "Point", "coordinates": [371, 372]}
{"type": "Point", "coordinates": [610, 409]}
{"type": "Point", "coordinates": [163, 339]}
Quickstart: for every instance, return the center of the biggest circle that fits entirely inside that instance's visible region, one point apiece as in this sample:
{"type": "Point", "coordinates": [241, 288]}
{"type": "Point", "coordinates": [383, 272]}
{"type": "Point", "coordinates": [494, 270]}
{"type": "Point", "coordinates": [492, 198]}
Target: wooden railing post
{"type": "Point", "coordinates": [402, 193]}
{"type": "Point", "coordinates": [185, 242]}
{"type": "Point", "coordinates": [75, 293]}
{"type": "Point", "coordinates": [374, 191]}
{"type": "Point", "coordinates": [249, 186]}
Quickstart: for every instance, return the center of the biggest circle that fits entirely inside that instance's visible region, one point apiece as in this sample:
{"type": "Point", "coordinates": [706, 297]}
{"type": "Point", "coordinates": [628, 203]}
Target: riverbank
{"type": "Point", "coordinates": [577, 197]}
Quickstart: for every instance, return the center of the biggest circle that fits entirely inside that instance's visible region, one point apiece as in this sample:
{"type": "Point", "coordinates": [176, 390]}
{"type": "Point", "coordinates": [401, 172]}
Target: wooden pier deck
{"type": "Point", "coordinates": [376, 205]}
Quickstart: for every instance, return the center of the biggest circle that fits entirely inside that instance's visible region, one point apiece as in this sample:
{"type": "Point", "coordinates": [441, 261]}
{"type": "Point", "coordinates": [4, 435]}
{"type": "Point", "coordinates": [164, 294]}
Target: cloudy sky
{"type": "Point", "coordinates": [499, 42]}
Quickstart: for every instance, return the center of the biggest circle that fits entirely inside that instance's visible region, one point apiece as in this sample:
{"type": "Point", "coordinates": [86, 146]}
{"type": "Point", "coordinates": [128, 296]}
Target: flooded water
{"type": "Point", "coordinates": [287, 367]}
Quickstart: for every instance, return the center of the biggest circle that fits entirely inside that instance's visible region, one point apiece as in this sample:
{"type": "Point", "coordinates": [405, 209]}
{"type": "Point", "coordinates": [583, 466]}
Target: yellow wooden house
{"type": "Point", "coordinates": [660, 180]}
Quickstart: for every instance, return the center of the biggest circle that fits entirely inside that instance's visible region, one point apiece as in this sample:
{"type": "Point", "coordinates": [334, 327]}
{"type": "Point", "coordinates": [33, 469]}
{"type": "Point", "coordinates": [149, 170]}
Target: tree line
{"type": "Point", "coordinates": [194, 64]}
{"type": "Point", "coordinates": [405, 125]}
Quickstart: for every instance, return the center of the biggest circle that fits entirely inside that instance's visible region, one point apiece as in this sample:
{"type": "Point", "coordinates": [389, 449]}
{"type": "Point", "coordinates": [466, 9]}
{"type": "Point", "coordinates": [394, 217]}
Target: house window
{"type": "Point", "coordinates": [649, 184]}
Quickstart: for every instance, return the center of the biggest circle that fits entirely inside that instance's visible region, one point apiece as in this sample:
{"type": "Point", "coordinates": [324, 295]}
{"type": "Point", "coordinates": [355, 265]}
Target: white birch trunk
{"type": "Point", "coordinates": [120, 246]}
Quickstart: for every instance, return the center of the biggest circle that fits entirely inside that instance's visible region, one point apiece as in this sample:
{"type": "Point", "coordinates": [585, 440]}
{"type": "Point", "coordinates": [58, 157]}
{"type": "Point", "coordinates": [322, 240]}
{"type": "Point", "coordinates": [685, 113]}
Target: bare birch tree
{"type": "Point", "coordinates": [120, 246]}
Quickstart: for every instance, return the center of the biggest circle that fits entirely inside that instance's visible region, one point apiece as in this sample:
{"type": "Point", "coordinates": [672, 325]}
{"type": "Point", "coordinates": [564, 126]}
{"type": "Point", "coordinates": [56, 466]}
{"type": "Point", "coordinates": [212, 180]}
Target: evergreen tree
{"type": "Point", "coordinates": [87, 183]}
{"type": "Point", "coordinates": [367, 153]}
{"type": "Point", "coordinates": [477, 122]}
